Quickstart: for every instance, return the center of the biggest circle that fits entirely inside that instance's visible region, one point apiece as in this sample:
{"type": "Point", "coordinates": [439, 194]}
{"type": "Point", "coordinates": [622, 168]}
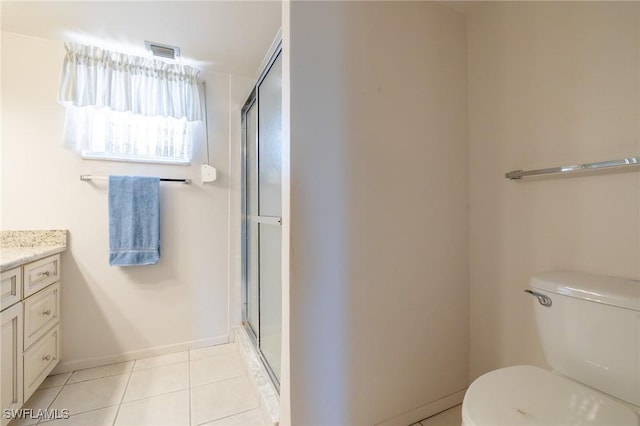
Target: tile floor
{"type": "Point", "coordinates": [207, 386]}
{"type": "Point", "coordinates": [451, 417]}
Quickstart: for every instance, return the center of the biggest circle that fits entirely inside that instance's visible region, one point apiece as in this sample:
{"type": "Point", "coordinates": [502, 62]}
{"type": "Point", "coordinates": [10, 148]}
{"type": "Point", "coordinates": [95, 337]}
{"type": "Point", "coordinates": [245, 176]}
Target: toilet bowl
{"type": "Point", "coordinates": [528, 395]}
{"type": "Point", "coordinates": [589, 327]}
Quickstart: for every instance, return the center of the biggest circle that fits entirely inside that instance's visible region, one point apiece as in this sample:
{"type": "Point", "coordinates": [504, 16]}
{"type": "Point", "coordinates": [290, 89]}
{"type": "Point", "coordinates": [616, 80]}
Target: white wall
{"type": "Point", "coordinates": [550, 83]}
{"type": "Point", "coordinates": [378, 309]}
{"type": "Point", "coordinates": [113, 313]}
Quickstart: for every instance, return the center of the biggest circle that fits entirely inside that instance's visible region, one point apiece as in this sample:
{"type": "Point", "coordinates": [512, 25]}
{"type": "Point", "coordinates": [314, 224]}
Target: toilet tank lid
{"type": "Point", "coordinates": [620, 292]}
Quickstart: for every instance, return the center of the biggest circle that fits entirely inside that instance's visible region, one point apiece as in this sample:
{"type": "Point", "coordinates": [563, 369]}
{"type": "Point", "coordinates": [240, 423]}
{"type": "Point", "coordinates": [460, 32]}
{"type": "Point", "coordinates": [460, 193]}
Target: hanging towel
{"type": "Point", "coordinates": [134, 220]}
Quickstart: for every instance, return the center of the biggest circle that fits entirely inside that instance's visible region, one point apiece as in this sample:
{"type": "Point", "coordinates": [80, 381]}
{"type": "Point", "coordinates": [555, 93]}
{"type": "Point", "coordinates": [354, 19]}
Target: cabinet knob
{"type": "Point", "coordinates": [47, 312]}
{"type": "Point", "coordinates": [45, 273]}
{"type": "Point", "coordinates": [46, 358]}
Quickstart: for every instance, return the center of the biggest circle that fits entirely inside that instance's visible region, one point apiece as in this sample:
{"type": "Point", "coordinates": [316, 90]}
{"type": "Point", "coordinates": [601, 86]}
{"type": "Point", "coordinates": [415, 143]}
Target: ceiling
{"type": "Point", "coordinates": [222, 36]}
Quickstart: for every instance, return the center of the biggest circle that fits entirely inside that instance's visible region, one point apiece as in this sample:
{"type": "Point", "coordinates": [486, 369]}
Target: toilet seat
{"type": "Point", "coordinates": [527, 395]}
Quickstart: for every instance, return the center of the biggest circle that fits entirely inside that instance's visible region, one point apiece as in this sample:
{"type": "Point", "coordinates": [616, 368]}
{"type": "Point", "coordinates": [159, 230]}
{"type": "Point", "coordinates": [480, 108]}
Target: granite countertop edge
{"type": "Point", "coordinates": [24, 246]}
{"type": "Point", "coordinates": [12, 257]}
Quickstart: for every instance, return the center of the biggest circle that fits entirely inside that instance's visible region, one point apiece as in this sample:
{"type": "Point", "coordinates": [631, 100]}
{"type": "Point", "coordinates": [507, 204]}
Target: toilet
{"type": "Point", "coordinates": [589, 327]}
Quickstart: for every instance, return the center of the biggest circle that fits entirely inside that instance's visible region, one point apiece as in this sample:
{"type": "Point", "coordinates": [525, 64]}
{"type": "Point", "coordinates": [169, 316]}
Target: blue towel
{"type": "Point", "coordinates": [134, 220]}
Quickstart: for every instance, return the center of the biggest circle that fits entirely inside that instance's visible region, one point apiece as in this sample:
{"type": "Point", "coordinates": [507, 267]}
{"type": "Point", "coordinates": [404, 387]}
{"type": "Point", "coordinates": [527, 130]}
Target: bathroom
{"type": "Point", "coordinates": [400, 120]}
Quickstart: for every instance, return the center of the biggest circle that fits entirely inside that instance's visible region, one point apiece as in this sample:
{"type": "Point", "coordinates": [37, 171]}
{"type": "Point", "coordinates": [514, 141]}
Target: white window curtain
{"type": "Point", "coordinates": [128, 107]}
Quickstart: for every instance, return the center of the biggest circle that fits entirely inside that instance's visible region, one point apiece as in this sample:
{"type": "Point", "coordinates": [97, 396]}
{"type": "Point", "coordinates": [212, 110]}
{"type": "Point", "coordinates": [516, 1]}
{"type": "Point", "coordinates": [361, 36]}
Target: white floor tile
{"type": "Point", "coordinates": [91, 394]}
{"type": "Point", "coordinates": [40, 400]}
{"type": "Point", "coordinates": [248, 418]}
{"type": "Point", "coordinates": [212, 350]}
{"type": "Point", "coordinates": [171, 409]}
{"type": "Point", "coordinates": [55, 380]}
{"type": "Point", "coordinates": [156, 392]}
{"type": "Point", "coordinates": [25, 421]}
{"type": "Point", "coordinates": [221, 399]}
{"type": "Point", "coordinates": [100, 417]}
{"type": "Point", "coordinates": [157, 381]}
{"type": "Point", "coordinates": [158, 361]}
{"type": "Point", "coordinates": [216, 368]}
{"type": "Point", "coordinates": [451, 417]}
{"type": "Point", "coordinates": [104, 371]}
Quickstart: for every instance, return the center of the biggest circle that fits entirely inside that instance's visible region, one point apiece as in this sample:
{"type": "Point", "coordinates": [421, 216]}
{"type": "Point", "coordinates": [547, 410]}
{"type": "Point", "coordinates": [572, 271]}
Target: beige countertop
{"type": "Point", "coordinates": [20, 247]}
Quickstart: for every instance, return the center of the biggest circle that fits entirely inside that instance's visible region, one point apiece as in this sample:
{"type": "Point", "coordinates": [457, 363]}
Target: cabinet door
{"type": "Point", "coordinates": [11, 359]}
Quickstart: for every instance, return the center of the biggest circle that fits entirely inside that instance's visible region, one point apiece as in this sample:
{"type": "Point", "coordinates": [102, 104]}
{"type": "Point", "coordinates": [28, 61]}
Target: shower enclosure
{"type": "Point", "coordinates": [261, 215]}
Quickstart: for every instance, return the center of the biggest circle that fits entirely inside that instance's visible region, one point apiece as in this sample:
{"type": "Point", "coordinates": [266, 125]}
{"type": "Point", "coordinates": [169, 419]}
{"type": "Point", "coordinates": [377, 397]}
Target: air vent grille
{"type": "Point", "coordinates": [163, 50]}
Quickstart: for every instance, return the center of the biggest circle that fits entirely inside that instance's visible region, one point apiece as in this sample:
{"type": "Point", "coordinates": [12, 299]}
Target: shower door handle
{"type": "Point", "coordinates": [266, 220]}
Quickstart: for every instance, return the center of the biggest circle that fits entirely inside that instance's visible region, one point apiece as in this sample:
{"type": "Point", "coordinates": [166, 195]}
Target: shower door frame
{"type": "Point", "coordinates": [253, 101]}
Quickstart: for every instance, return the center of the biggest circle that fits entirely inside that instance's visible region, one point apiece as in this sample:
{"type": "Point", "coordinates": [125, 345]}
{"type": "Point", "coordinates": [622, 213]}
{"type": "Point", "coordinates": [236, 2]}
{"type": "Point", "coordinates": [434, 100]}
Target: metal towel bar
{"type": "Point", "coordinates": [629, 161]}
{"type": "Point", "coordinates": [90, 177]}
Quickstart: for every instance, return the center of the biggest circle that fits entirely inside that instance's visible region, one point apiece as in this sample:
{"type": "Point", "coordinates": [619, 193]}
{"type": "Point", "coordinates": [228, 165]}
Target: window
{"type": "Point", "coordinates": [121, 107]}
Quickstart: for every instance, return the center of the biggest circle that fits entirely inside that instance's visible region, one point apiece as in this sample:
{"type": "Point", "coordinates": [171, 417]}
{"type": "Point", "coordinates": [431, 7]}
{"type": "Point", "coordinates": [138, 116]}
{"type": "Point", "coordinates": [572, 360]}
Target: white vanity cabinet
{"type": "Point", "coordinates": [30, 346]}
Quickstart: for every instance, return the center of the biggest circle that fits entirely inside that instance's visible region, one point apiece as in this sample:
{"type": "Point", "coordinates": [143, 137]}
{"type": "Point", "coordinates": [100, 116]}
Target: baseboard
{"type": "Point", "coordinates": [78, 364]}
{"type": "Point", "coordinates": [426, 410]}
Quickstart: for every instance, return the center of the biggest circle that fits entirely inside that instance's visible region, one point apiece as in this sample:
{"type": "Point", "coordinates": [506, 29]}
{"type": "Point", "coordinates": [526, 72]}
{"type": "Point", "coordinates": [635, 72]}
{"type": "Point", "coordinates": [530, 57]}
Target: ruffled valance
{"type": "Point", "coordinates": [99, 78]}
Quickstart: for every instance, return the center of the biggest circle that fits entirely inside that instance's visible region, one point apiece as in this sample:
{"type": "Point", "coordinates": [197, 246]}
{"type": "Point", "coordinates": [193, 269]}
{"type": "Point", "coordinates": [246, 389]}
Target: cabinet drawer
{"type": "Point", "coordinates": [41, 273]}
{"type": "Point", "coordinates": [10, 287]}
{"type": "Point", "coordinates": [40, 359]}
{"type": "Point", "coordinates": [41, 311]}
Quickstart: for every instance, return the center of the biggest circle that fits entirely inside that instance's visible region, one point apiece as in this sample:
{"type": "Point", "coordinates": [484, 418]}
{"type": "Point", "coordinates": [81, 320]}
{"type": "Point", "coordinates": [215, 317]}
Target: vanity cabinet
{"type": "Point", "coordinates": [30, 329]}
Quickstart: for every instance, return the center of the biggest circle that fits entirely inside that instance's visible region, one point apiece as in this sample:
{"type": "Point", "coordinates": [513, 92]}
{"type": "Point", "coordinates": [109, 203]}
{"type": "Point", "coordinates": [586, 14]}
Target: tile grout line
{"type": "Point", "coordinates": [119, 404]}
{"type": "Point", "coordinates": [67, 382]}
{"type": "Point", "coordinates": [77, 414]}
{"type": "Point", "coordinates": [226, 417]}
{"type": "Point", "coordinates": [54, 398]}
{"type": "Point", "coordinates": [95, 378]}
{"type": "Point", "coordinates": [151, 396]}
{"type": "Point", "coordinates": [218, 381]}
{"type": "Point", "coordinates": [130, 373]}
{"type": "Point", "coordinates": [221, 354]}
{"type": "Point", "coordinates": [161, 365]}
{"type": "Point", "coordinates": [124, 393]}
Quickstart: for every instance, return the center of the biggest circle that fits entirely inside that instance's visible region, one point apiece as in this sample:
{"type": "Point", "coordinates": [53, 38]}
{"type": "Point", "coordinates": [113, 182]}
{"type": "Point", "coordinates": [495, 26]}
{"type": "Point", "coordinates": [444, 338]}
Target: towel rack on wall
{"type": "Point", "coordinates": [629, 161]}
{"type": "Point", "coordinates": [90, 177]}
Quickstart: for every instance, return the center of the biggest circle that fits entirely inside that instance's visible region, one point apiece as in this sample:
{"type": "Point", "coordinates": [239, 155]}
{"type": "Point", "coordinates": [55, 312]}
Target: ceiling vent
{"type": "Point", "coordinates": [163, 50]}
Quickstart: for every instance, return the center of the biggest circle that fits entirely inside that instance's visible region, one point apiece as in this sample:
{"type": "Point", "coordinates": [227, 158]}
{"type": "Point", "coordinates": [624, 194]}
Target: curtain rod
{"type": "Point", "coordinates": [90, 177]}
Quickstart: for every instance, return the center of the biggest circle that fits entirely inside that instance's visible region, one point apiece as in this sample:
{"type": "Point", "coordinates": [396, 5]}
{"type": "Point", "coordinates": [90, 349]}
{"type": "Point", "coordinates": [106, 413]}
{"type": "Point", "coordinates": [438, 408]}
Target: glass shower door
{"type": "Point", "coordinates": [251, 226]}
{"type": "Point", "coordinates": [262, 216]}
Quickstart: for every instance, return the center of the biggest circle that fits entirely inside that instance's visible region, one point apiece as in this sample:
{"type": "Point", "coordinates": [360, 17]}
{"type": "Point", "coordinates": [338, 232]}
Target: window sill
{"type": "Point", "coordinates": [127, 159]}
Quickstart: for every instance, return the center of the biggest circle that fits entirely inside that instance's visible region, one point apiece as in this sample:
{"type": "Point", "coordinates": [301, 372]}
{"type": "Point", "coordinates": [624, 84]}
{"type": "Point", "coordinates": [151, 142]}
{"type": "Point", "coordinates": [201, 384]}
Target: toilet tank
{"type": "Point", "coordinates": [591, 330]}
